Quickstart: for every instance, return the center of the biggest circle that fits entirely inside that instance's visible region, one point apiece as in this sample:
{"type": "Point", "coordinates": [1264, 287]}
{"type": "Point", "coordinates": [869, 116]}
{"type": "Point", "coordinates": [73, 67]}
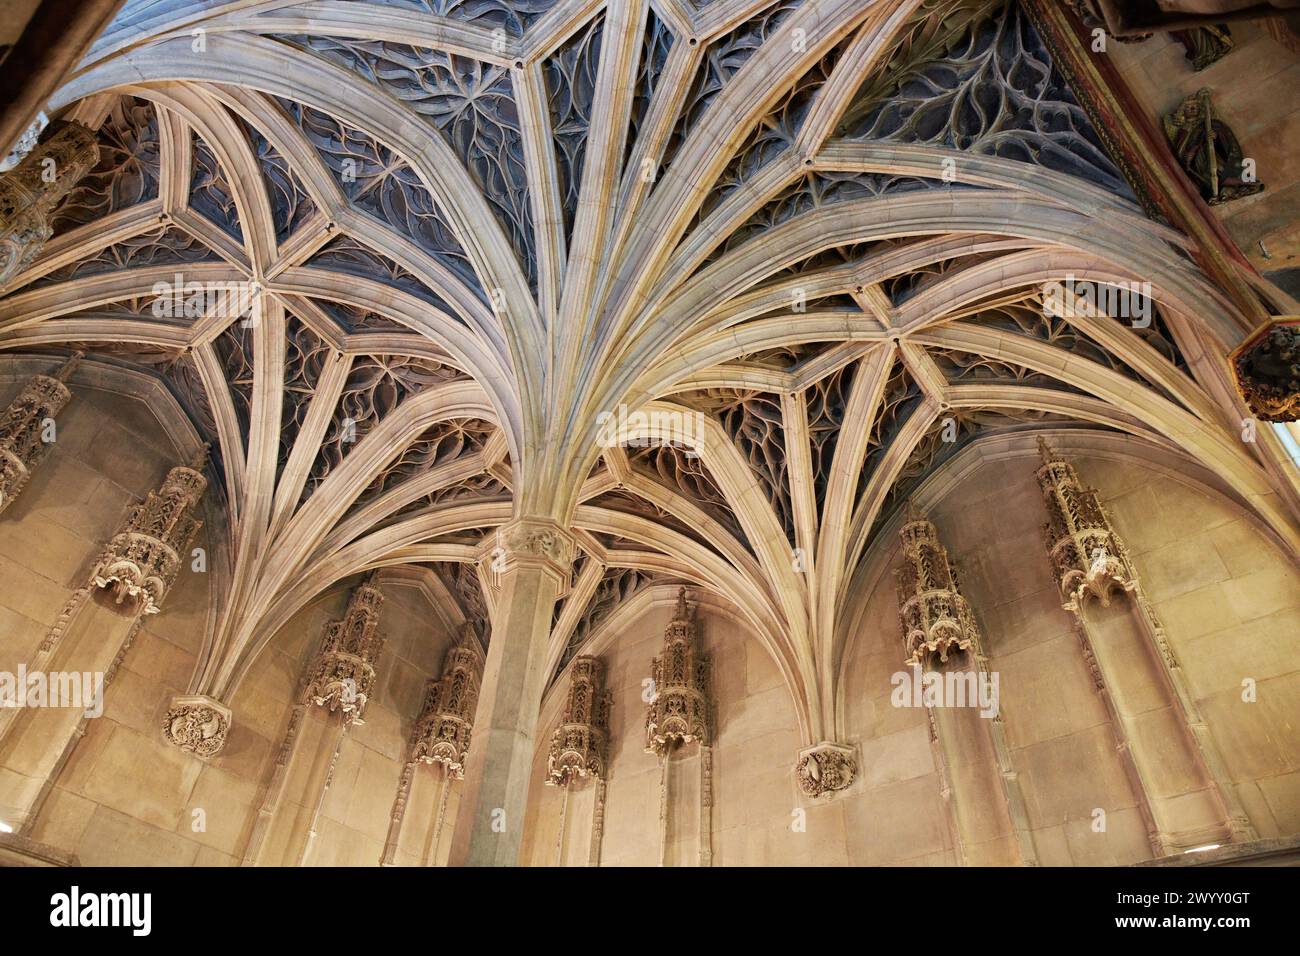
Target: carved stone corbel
{"type": "Point", "coordinates": [1266, 367]}
{"type": "Point", "coordinates": [197, 724]}
{"type": "Point", "coordinates": [825, 767]}
{"type": "Point", "coordinates": [23, 428]}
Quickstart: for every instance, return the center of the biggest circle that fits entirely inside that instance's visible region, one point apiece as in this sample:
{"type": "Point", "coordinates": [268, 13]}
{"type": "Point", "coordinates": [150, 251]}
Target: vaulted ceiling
{"type": "Point", "coordinates": [475, 228]}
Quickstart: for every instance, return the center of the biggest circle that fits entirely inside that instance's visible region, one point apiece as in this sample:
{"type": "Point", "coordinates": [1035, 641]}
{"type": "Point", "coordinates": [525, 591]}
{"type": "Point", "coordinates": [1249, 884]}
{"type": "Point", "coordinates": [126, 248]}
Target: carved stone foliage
{"type": "Point", "coordinates": [342, 675]}
{"type": "Point", "coordinates": [987, 84]}
{"type": "Point", "coordinates": [1208, 151]}
{"type": "Point", "coordinates": [753, 420]}
{"type": "Point", "coordinates": [825, 768]}
{"type": "Point", "coordinates": [935, 617]}
{"type": "Point", "coordinates": [197, 725]}
{"type": "Point", "coordinates": [723, 59]}
{"type": "Point", "coordinates": [210, 194]}
{"type": "Point", "coordinates": [127, 172]}
{"type": "Point", "coordinates": [376, 385]}
{"type": "Point", "coordinates": [1267, 367]}
{"type": "Point", "coordinates": [681, 710]}
{"type": "Point", "coordinates": [1088, 557]}
{"type": "Point", "coordinates": [472, 104]}
{"type": "Point", "coordinates": [291, 206]}
{"type": "Point", "coordinates": [23, 428]}
{"type": "Point", "coordinates": [579, 744]}
{"type": "Point", "coordinates": [142, 560]}
{"type": "Point", "coordinates": [28, 194]}
{"type": "Point", "coordinates": [446, 722]}
{"type": "Point", "coordinates": [570, 75]}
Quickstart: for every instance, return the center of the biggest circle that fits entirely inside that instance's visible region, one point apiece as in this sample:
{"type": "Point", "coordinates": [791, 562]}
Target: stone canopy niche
{"type": "Point", "coordinates": [679, 730]}
{"type": "Point", "coordinates": [579, 749]}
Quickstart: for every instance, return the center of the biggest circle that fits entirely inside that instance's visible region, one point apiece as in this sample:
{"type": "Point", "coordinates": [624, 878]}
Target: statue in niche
{"type": "Point", "coordinates": [1208, 151]}
{"type": "Point", "coordinates": [1205, 45]}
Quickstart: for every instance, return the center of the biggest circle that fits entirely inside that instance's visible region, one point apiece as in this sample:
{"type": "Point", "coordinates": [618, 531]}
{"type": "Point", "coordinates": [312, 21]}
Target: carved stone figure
{"type": "Point", "coordinates": [1205, 45]}
{"type": "Point", "coordinates": [1208, 151]}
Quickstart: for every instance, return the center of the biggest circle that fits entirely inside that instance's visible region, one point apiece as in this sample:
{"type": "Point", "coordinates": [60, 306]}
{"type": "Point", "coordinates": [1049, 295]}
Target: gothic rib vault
{"type": "Point", "coordinates": [811, 235]}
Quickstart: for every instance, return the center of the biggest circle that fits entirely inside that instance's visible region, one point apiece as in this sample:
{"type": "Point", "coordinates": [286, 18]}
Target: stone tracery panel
{"type": "Point", "coordinates": [210, 193]}
{"type": "Point", "coordinates": [570, 76]}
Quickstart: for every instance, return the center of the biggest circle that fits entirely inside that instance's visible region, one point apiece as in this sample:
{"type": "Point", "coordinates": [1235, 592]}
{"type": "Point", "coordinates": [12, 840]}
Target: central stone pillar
{"type": "Point", "coordinates": [533, 560]}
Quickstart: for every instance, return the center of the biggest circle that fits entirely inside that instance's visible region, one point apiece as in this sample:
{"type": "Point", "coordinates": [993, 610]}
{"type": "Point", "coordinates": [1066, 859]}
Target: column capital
{"type": "Point", "coordinates": [826, 767]}
{"type": "Point", "coordinates": [198, 724]}
{"type": "Point", "coordinates": [535, 542]}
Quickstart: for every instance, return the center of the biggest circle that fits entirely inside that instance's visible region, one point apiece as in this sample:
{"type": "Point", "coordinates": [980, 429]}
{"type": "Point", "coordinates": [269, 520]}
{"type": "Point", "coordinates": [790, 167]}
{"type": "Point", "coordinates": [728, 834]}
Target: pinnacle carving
{"type": "Point", "coordinates": [23, 440]}
{"type": "Point", "coordinates": [936, 618]}
{"type": "Point", "coordinates": [579, 744]}
{"type": "Point", "coordinates": [680, 710]}
{"type": "Point", "coordinates": [29, 193]}
{"type": "Point", "coordinates": [443, 729]}
{"type": "Point", "coordinates": [142, 560]}
{"type": "Point", "coordinates": [342, 675]}
{"type": "Point", "coordinates": [825, 768]}
{"type": "Point", "coordinates": [1087, 556]}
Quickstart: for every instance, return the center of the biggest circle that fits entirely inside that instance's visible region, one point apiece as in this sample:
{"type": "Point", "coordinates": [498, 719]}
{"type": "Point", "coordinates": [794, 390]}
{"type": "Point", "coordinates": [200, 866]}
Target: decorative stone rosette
{"type": "Point", "coordinates": [825, 768]}
{"type": "Point", "coordinates": [442, 731]}
{"type": "Point", "coordinates": [936, 619]}
{"type": "Point", "coordinates": [197, 725]}
{"type": "Point", "coordinates": [22, 427]}
{"type": "Point", "coordinates": [1087, 556]}
{"type": "Point", "coordinates": [27, 199]}
{"type": "Point", "coordinates": [680, 710]}
{"type": "Point", "coordinates": [342, 676]}
{"type": "Point", "coordinates": [579, 744]}
{"type": "Point", "coordinates": [1267, 369]}
{"type": "Point", "coordinates": [141, 561]}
